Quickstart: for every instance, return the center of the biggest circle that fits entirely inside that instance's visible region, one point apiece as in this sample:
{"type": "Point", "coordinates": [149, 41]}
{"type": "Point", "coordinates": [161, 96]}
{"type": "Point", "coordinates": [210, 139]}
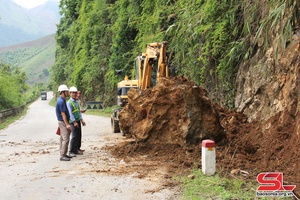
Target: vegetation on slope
{"type": "Point", "coordinates": [14, 91]}
{"type": "Point", "coordinates": [35, 58]}
{"type": "Point", "coordinates": [209, 40]}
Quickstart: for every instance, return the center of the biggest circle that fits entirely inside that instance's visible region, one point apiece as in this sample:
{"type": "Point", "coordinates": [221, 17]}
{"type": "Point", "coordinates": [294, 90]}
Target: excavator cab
{"type": "Point", "coordinates": [123, 87]}
{"type": "Point", "coordinates": [122, 99]}
{"type": "Point", "coordinates": [139, 65]}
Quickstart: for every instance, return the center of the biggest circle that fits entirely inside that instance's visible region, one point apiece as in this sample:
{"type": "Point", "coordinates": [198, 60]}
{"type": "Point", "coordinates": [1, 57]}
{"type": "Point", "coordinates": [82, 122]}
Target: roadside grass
{"type": "Point", "coordinates": [213, 187]}
{"type": "Point", "coordinates": [52, 102]}
{"type": "Point", "coordinates": [12, 119]}
{"type": "Point", "coordinates": [106, 112]}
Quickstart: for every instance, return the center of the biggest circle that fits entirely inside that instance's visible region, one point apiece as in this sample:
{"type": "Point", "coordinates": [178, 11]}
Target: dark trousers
{"type": "Point", "coordinates": [75, 138]}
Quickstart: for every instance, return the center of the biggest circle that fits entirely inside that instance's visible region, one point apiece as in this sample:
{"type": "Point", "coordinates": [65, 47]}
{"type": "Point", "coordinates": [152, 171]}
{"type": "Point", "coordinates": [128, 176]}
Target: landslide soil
{"type": "Point", "coordinates": [259, 146]}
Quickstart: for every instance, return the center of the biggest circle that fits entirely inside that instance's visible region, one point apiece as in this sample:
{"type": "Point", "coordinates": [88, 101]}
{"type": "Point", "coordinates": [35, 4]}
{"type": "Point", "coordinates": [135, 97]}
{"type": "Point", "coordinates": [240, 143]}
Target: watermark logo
{"type": "Point", "coordinates": [271, 185]}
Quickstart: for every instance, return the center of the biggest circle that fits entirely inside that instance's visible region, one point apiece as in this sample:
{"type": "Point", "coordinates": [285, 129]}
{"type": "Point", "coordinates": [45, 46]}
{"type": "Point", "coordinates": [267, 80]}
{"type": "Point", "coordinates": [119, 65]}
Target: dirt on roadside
{"type": "Point", "coordinates": [166, 124]}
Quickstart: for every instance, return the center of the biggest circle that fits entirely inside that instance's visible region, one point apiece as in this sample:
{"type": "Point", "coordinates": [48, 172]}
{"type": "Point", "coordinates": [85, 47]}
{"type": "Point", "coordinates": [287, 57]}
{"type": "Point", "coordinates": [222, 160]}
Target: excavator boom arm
{"type": "Point", "coordinates": [155, 52]}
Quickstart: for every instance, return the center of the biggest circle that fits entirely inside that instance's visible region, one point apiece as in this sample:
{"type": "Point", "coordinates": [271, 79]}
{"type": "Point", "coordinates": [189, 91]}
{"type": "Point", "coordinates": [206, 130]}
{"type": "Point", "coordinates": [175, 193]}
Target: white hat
{"type": "Point", "coordinates": [73, 89]}
{"type": "Point", "coordinates": [63, 88]}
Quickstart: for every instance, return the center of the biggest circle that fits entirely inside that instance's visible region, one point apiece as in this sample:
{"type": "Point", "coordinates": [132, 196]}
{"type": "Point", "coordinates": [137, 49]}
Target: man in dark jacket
{"type": "Point", "coordinates": [63, 118]}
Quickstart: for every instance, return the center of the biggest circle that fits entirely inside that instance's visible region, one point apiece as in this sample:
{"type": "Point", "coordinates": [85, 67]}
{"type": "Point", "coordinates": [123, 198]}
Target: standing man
{"type": "Point", "coordinates": [75, 121]}
{"type": "Point", "coordinates": [79, 102]}
{"type": "Point", "coordinates": [78, 98]}
{"type": "Point", "coordinates": [62, 115]}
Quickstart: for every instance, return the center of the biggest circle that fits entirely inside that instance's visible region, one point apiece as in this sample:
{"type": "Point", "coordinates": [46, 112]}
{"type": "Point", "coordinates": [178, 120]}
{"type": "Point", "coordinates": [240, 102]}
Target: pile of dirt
{"type": "Point", "coordinates": [175, 111]}
{"type": "Point", "coordinates": [261, 146]}
{"type": "Point", "coordinates": [169, 130]}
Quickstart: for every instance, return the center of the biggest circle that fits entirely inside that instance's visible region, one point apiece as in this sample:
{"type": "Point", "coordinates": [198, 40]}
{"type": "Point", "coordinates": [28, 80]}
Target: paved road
{"type": "Point", "coordinates": [30, 166]}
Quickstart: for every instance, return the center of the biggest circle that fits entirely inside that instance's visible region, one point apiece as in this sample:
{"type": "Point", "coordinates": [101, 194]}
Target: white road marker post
{"type": "Point", "coordinates": [208, 157]}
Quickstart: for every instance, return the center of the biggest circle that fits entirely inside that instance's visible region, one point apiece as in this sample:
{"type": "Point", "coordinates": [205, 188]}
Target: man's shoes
{"type": "Point", "coordinates": [71, 155]}
{"type": "Point", "coordinates": [79, 153]}
{"type": "Point", "coordinates": [65, 158]}
{"type": "Point", "coordinates": [81, 150]}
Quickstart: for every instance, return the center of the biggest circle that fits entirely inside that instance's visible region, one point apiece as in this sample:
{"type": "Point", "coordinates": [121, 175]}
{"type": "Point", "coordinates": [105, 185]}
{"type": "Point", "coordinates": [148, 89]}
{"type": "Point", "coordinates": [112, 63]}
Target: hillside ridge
{"type": "Point", "coordinates": [18, 24]}
{"type": "Point", "coordinates": [35, 58]}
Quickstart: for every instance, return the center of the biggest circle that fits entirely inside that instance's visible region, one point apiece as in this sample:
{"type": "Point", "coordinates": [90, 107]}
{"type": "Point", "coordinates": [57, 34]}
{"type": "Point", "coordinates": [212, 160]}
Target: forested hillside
{"type": "Point", "coordinates": [14, 91]}
{"type": "Point", "coordinates": [35, 58]}
{"type": "Point", "coordinates": [209, 40]}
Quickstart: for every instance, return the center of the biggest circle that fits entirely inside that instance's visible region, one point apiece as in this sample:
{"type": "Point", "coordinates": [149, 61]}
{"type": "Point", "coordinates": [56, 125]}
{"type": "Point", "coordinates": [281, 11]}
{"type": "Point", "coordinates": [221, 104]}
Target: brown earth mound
{"type": "Point", "coordinates": [169, 130]}
{"type": "Point", "coordinates": [175, 111]}
{"type": "Point", "coordinates": [270, 146]}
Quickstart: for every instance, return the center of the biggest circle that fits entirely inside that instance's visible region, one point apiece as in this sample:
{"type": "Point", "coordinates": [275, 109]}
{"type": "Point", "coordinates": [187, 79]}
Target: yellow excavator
{"type": "Point", "coordinates": [149, 67]}
{"type": "Point", "coordinates": [122, 99]}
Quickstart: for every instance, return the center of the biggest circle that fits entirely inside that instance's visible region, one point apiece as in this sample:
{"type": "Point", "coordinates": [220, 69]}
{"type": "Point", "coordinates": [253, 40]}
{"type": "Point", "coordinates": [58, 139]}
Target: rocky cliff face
{"type": "Point", "coordinates": [267, 84]}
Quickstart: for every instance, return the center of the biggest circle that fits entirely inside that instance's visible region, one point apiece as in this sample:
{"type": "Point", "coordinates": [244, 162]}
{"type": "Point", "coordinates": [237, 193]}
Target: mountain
{"type": "Point", "coordinates": [18, 24]}
{"type": "Point", "coordinates": [35, 58]}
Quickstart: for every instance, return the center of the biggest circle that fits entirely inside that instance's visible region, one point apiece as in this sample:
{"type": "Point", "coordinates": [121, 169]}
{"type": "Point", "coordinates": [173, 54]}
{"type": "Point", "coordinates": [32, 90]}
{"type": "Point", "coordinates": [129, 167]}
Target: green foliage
{"type": "Point", "coordinates": [124, 34]}
{"type": "Point", "coordinates": [203, 37]}
{"type": "Point", "coordinates": [209, 40]}
{"type": "Point", "coordinates": [10, 120]}
{"type": "Point", "coordinates": [8, 99]}
{"type": "Point", "coordinates": [14, 91]}
{"type": "Point", "coordinates": [216, 187]}
{"type": "Point", "coordinates": [280, 23]}
{"type": "Point", "coordinates": [106, 112]}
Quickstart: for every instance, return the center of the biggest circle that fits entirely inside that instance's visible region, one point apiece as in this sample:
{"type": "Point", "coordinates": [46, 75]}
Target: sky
{"type": "Point", "coordinates": [29, 3]}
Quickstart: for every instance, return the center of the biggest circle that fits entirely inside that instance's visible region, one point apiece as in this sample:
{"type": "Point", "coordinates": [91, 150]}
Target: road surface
{"type": "Point", "coordinates": [31, 169]}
